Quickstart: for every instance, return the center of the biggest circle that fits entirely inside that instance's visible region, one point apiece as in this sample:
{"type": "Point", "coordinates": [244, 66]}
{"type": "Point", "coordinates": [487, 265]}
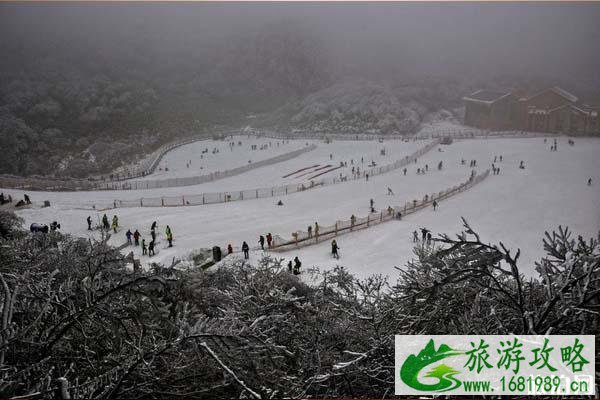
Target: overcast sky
{"type": "Point", "coordinates": [432, 38]}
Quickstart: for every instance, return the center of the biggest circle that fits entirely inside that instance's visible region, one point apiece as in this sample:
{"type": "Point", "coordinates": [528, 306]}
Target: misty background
{"type": "Point", "coordinates": [86, 87]}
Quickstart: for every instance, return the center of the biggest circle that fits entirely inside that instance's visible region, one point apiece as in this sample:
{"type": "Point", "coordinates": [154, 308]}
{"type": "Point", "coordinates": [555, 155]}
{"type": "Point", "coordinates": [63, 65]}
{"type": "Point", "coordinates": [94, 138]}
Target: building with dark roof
{"type": "Point", "coordinates": [490, 110]}
{"type": "Point", "coordinates": [550, 110]}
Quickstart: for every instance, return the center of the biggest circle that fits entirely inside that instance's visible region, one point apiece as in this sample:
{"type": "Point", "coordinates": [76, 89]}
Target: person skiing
{"type": "Point", "coordinates": [500, 158]}
{"type": "Point", "coordinates": [27, 199]}
{"type": "Point", "coordinates": [89, 222]}
{"type": "Point", "coordinates": [128, 235]}
{"type": "Point", "coordinates": [105, 222]}
{"type": "Point", "coordinates": [372, 203]}
{"type": "Point", "coordinates": [153, 234]}
{"type": "Point", "coordinates": [367, 177]}
{"type": "Point", "coordinates": [261, 240]}
{"type": "Point", "coordinates": [136, 237]}
{"type": "Point", "coordinates": [115, 223]}
{"type": "Point", "coordinates": [316, 229]}
{"type": "Point", "coordinates": [415, 236]}
{"type": "Point", "coordinates": [404, 170]}
{"type": "Point", "coordinates": [522, 165]}
{"type": "Point", "coordinates": [151, 248]}
{"type": "Point", "coordinates": [390, 192]}
{"type": "Point", "coordinates": [153, 226]}
{"type": "Point", "coordinates": [424, 232]}
{"type": "Point", "coordinates": [426, 167]}
{"type": "Point", "coordinates": [334, 249]}
{"type": "Point", "coordinates": [428, 238]}
{"type": "Point", "coordinates": [440, 164]}
{"type": "Point", "coordinates": [169, 234]}
{"type": "Point", "coordinates": [269, 240]}
{"type": "Point", "coordinates": [297, 265]}
{"type": "Point", "coordinates": [290, 267]}
{"type": "Point", "coordinates": [495, 158]}
{"type": "Point", "coordinates": [245, 249]}
{"type": "Point", "coordinates": [590, 182]}
{"type": "Point", "coordinates": [352, 220]}
{"type": "Point", "coordinates": [310, 231]}
{"type": "Point", "coordinates": [435, 204]}
{"type": "Point", "coordinates": [229, 248]}
{"type": "Point", "coordinates": [144, 248]}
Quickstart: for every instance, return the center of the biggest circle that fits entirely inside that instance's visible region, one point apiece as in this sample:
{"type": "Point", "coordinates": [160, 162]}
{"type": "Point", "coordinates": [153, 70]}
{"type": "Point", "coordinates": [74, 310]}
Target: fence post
{"type": "Point", "coordinates": [162, 201]}
{"type": "Point", "coordinates": [241, 195]}
{"type": "Point", "coordinates": [141, 202]}
{"type": "Point", "coordinates": [368, 219]}
{"type": "Point", "coordinates": [381, 216]}
{"type": "Point", "coordinates": [183, 200]}
{"type": "Point", "coordinates": [203, 199]}
{"type": "Point", "coordinates": [336, 229]}
{"type": "Point", "coordinates": [257, 193]}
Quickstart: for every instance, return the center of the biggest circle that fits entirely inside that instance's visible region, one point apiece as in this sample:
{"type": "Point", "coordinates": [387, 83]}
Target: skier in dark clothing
{"type": "Point", "coordinates": [334, 250]}
{"type": "Point", "coordinates": [269, 240]}
{"type": "Point", "coordinates": [153, 227]}
{"type": "Point", "coordinates": [151, 248]}
{"type": "Point", "coordinates": [261, 240]}
{"type": "Point", "coordinates": [372, 203]}
{"type": "Point", "coordinates": [289, 265]}
{"type": "Point", "coordinates": [428, 238]}
{"type": "Point", "coordinates": [27, 200]}
{"type": "Point", "coordinates": [297, 265]}
{"type": "Point", "coordinates": [424, 232]}
{"type": "Point", "coordinates": [153, 234]}
{"type": "Point", "coordinates": [246, 249]}
{"type": "Point", "coordinates": [128, 235]}
{"type": "Point", "coordinates": [136, 237]}
{"type": "Point", "coordinates": [229, 248]}
{"type": "Point", "coordinates": [144, 248]}
{"type": "Point", "coordinates": [435, 204]}
{"type": "Point", "coordinates": [590, 182]}
{"type": "Point", "coordinates": [105, 223]}
{"type": "Point", "coordinates": [415, 236]}
{"type": "Point", "coordinates": [89, 222]}
{"type": "Point", "coordinates": [404, 170]}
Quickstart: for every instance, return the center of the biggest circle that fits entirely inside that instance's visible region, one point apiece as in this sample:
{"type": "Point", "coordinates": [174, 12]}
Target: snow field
{"type": "Point", "coordinates": [515, 206]}
{"type": "Point", "coordinates": [204, 161]}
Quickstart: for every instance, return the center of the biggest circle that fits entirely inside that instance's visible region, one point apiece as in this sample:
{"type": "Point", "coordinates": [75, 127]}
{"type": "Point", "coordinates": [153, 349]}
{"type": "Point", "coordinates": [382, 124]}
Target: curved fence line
{"type": "Point", "coordinates": [149, 163]}
{"type": "Point", "coordinates": [321, 233]}
{"type": "Point", "coordinates": [14, 182]}
{"type": "Point", "coordinates": [213, 176]}
{"type": "Point", "coordinates": [275, 191]}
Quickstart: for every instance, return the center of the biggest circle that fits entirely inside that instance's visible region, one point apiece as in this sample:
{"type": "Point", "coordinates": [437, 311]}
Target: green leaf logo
{"type": "Point", "coordinates": [413, 365]}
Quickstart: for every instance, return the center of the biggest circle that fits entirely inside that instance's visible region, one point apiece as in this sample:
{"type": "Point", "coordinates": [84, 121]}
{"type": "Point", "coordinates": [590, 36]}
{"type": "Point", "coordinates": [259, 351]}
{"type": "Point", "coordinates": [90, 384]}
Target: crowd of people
{"type": "Point", "coordinates": [7, 199]}
{"type": "Point", "coordinates": [134, 238]}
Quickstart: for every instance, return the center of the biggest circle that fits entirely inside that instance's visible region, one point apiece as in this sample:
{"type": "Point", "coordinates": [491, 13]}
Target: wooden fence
{"type": "Point", "coordinates": [321, 233]}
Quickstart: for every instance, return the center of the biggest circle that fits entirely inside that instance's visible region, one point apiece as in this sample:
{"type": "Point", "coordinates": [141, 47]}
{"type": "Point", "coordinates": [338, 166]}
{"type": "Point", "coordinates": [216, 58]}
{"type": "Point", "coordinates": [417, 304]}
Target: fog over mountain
{"type": "Point", "coordinates": [106, 81]}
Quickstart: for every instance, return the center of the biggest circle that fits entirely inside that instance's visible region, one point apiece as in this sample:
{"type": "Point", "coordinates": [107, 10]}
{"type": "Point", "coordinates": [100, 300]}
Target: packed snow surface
{"type": "Point", "coordinates": [206, 156]}
{"type": "Point", "coordinates": [515, 207]}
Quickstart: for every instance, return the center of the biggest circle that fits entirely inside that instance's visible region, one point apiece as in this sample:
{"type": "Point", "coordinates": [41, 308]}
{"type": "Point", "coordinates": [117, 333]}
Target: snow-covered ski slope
{"type": "Point", "coordinates": [206, 156]}
{"type": "Point", "coordinates": [516, 206]}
